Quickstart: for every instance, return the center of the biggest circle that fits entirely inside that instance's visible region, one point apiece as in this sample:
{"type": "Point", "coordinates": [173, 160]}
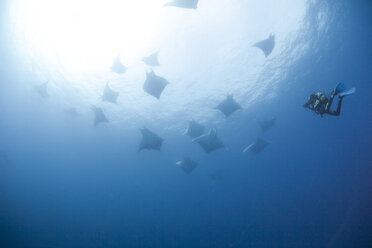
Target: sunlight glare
{"type": "Point", "coordinates": [85, 35]}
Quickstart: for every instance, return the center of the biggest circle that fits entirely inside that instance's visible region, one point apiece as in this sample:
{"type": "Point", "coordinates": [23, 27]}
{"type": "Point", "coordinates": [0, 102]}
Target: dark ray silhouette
{"type": "Point", "coordinates": [99, 115]}
{"type": "Point", "coordinates": [42, 89]}
{"type": "Point", "coordinates": [267, 124]}
{"type": "Point", "coordinates": [71, 111]}
{"type": "Point", "coordinates": [266, 45]}
{"type": "Point", "coordinates": [150, 140]}
{"type": "Point", "coordinates": [117, 66]}
{"type": "Point", "coordinates": [257, 146]}
{"type": "Point", "coordinates": [109, 95]}
{"type": "Point", "coordinates": [194, 129]}
{"type": "Point", "coordinates": [187, 164]}
{"type": "Point", "coordinates": [4, 159]}
{"type": "Point", "coordinates": [209, 142]}
{"type": "Point", "coordinates": [154, 85]}
{"type": "Point", "coordinates": [151, 60]}
{"type": "Point", "coordinates": [216, 176]}
{"type": "Point", "coordinates": [228, 106]}
{"type": "Point", "coordinates": [186, 4]}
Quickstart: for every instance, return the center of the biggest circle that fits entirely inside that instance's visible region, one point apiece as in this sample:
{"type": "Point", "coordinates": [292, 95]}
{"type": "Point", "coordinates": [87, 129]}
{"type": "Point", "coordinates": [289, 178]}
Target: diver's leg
{"type": "Point", "coordinates": [338, 110]}
{"type": "Point", "coordinates": [329, 104]}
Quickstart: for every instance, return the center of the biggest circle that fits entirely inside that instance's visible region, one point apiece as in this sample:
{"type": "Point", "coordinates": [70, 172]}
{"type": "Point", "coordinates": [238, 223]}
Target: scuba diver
{"type": "Point", "coordinates": [320, 104]}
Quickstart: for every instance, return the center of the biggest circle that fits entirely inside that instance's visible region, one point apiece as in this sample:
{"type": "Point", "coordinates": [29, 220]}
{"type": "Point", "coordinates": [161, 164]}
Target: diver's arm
{"type": "Point", "coordinates": [307, 104]}
{"type": "Point", "coordinates": [310, 102]}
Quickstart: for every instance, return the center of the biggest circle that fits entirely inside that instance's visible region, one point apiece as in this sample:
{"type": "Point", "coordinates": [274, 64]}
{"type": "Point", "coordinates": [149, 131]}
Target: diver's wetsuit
{"type": "Point", "coordinates": [329, 104]}
{"type": "Point", "coordinates": [321, 105]}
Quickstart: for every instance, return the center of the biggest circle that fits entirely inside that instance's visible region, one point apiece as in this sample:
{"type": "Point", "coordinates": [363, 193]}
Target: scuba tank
{"type": "Point", "coordinates": [320, 103]}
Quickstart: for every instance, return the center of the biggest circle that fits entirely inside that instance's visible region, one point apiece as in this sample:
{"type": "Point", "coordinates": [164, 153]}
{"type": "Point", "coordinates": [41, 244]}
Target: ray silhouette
{"type": "Point", "coordinates": [151, 60]}
{"type": "Point", "coordinates": [150, 140]}
{"type": "Point", "coordinates": [194, 129]}
{"type": "Point", "coordinates": [257, 146]}
{"type": "Point", "coordinates": [42, 89]}
{"type": "Point", "coordinates": [154, 85]}
{"type": "Point", "coordinates": [209, 142]}
{"type": "Point", "coordinates": [186, 4]}
{"type": "Point", "coordinates": [216, 176]}
{"type": "Point", "coordinates": [187, 164]}
{"type": "Point", "coordinates": [109, 95]}
{"type": "Point", "coordinates": [266, 45]}
{"type": "Point", "coordinates": [99, 115]}
{"type": "Point", "coordinates": [117, 66]}
{"type": "Point", "coordinates": [4, 159]}
{"type": "Point", "coordinates": [228, 106]}
{"type": "Point", "coordinates": [267, 124]}
{"type": "Point", "coordinates": [71, 111]}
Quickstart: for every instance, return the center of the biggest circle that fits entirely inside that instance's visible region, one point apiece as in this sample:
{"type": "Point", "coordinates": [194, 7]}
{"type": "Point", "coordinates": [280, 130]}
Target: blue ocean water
{"type": "Point", "coordinates": [65, 183]}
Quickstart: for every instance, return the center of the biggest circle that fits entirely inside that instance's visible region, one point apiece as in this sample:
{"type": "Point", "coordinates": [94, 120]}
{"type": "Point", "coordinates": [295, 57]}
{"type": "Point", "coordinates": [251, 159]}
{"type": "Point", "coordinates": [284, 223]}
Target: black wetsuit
{"type": "Point", "coordinates": [329, 104]}
{"type": "Point", "coordinates": [321, 105]}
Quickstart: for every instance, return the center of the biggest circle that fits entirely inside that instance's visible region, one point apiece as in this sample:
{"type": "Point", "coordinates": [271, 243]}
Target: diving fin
{"type": "Point", "coordinates": [347, 92]}
{"type": "Point", "coordinates": [341, 87]}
